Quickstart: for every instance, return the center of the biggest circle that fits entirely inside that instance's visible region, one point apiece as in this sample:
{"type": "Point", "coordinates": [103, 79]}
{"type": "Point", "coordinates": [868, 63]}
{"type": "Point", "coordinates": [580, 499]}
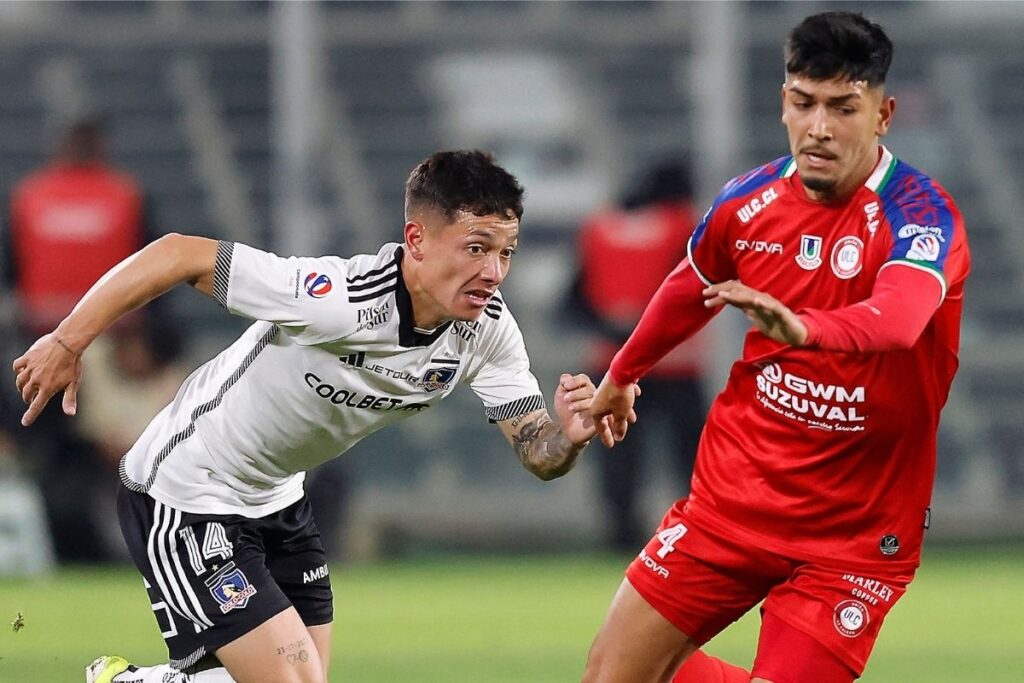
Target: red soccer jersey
{"type": "Point", "coordinates": [828, 455]}
{"type": "Point", "coordinates": [71, 224]}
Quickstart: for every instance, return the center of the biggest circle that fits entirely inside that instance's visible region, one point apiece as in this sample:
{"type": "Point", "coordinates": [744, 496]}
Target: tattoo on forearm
{"type": "Point", "coordinates": [544, 449]}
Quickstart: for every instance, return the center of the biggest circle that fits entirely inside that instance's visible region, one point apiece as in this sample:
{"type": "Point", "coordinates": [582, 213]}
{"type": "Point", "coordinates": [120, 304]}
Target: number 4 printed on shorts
{"type": "Point", "coordinates": [668, 538]}
{"type": "Point", "coordinates": [215, 545]}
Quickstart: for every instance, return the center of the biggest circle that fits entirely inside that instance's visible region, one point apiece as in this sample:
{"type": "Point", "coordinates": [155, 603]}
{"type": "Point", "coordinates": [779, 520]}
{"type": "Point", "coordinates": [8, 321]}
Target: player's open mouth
{"type": "Point", "coordinates": [819, 159]}
{"type": "Point", "coordinates": [479, 297]}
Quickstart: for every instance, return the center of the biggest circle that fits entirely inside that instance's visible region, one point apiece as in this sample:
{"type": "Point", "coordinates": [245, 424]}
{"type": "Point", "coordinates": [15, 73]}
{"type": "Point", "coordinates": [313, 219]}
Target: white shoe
{"type": "Point", "coordinates": [103, 669]}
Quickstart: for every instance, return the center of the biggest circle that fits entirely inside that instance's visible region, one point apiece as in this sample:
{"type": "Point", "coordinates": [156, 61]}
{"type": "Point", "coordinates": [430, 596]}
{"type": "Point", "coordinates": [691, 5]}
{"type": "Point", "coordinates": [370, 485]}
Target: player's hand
{"type": "Point", "coordinates": [773, 318]}
{"type": "Point", "coordinates": [46, 368]}
{"type": "Point", "coordinates": [612, 410]}
{"type": "Point", "coordinates": [572, 407]}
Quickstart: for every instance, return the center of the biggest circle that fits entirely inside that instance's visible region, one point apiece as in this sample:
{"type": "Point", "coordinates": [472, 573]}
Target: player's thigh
{"type": "Point", "coordinates": [298, 563]}
{"type": "Point", "coordinates": [787, 655]}
{"type": "Point", "coordinates": [821, 615]}
{"type": "Point", "coordinates": [322, 638]}
{"type": "Point", "coordinates": [684, 588]}
{"type": "Point", "coordinates": [280, 650]}
{"type": "Point", "coordinates": [205, 574]}
{"type": "Point", "coordinates": [701, 581]}
{"type": "Point", "coordinates": [636, 644]}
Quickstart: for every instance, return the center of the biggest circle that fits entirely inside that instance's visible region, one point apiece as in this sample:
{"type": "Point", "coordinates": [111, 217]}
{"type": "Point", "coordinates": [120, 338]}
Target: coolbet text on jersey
{"type": "Point", "coordinates": [333, 358]}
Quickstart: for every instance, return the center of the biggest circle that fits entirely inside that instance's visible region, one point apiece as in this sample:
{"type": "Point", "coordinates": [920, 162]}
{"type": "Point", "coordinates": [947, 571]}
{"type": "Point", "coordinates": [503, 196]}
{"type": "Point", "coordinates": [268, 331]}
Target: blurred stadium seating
{"type": "Point", "coordinates": [189, 92]}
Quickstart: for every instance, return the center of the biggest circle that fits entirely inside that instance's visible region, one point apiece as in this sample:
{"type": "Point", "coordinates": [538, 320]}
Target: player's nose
{"type": "Point", "coordinates": [820, 128]}
{"type": "Point", "coordinates": [493, 269]}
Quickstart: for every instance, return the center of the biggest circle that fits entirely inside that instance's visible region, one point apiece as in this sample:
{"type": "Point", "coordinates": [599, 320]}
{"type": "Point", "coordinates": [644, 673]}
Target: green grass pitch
{"type": "Point", "coordinates": [529, 620]}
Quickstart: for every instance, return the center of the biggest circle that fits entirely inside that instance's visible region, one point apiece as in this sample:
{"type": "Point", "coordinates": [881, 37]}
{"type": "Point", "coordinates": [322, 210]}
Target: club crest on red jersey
{"type": "Point", "coordinates": [847, 257]}
{"type": "Point", "coordinates": [809, 257]}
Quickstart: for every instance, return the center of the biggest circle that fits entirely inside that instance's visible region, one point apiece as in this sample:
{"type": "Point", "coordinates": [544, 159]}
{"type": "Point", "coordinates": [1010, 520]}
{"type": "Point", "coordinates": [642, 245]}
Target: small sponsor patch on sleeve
{"type": "Point", "coordinates": [924, 248]}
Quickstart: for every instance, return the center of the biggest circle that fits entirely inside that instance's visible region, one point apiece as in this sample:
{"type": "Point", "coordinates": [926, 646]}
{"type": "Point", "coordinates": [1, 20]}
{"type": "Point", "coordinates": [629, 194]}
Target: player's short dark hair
{"type": "Point", "coordinates": [463, 180]}
{"type": "Point", "coordinates": [839, 44]}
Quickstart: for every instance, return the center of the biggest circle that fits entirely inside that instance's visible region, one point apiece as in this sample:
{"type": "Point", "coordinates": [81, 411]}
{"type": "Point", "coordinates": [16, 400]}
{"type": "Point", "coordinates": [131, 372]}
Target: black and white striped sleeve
{"type": "Point", "coordinates": [222, 272]}
{"type": "Point", "coordinates": [514, 409]}
{"type": "Point", "coordinates": [502, 379]}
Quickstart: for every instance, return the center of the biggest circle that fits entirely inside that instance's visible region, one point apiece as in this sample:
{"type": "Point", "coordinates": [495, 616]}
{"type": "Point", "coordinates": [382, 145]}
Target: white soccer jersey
{"type": "Point", "coordinates": [333, 357]}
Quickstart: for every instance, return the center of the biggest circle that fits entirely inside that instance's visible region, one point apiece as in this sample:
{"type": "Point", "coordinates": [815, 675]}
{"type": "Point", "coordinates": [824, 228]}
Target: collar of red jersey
{"type": "Point", "coordinates": [879, 174]}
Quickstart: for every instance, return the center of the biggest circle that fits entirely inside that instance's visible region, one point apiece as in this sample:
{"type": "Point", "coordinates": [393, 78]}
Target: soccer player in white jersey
{"type": "Point", "coordinates": [212, 505]}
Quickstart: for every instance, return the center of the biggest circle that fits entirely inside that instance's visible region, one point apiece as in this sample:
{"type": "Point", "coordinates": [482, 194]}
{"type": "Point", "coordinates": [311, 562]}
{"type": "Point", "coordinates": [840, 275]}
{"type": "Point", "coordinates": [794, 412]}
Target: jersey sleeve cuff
{"type": "Point", "coordinates": [222, 272]}
{"type": "Point", "coordinates": [514, 409]}
{"type": "Point", "coordinates": [697, 271]}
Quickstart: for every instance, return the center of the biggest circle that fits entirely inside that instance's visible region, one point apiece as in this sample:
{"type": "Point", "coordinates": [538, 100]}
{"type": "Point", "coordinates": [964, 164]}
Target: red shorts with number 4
{"type": "Point", "coordinates": [702, 582]}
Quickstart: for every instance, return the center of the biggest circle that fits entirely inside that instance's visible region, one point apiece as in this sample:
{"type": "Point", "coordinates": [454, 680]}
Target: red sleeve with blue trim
{"type": "Point", "coordinates": [928, 260]}
{"type": "Point", "coordinates": [708, 248]}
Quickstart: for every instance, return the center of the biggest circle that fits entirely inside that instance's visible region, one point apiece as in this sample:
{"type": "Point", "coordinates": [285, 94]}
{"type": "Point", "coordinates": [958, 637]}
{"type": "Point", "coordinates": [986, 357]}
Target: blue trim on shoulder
{"type": "Point", "coordinates": [751, 181]}
{"type": "Point", "coordinates": [740, 186]}
{"type": "Point", "coordinates": [913, 206]}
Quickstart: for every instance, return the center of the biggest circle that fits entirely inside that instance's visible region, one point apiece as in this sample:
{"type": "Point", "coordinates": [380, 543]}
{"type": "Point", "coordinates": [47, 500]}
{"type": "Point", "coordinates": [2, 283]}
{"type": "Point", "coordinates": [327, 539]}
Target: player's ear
{"type": "Point", "coordinates": [885, 111]}
{"type": "Point", "coordinates": [414, 233]}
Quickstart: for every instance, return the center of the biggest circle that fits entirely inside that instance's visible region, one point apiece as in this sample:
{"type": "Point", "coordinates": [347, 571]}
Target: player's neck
{"type": "Point", "coordinates": [426, 314]}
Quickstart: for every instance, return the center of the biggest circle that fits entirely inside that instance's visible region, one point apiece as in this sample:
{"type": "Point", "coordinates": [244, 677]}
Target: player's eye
{"type": "Point", "coordinates": [508, 253]}
{"type": "Point", "coordinates": [475, 249]}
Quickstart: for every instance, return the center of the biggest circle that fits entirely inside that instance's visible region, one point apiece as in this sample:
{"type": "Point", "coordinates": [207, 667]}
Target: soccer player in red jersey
{"type": "Point", "coordinates": [815, 469]}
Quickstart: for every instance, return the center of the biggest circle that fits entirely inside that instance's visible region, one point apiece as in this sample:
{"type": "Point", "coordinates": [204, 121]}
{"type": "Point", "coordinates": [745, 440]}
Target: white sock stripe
{"type": "Point", "coordinates": [204, 621]}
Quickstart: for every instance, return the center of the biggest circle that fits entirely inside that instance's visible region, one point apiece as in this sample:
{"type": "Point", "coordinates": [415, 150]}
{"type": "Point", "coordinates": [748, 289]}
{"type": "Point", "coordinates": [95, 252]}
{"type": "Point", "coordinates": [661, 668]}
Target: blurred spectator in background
{"type": "Point", "coordinates": [69, 222]}
{"type": "Point", "coordinates": [624, 255]}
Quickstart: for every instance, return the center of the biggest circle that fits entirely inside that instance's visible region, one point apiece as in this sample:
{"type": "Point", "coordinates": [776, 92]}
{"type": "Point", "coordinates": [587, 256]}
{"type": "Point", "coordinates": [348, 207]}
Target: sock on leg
{"type": "Point", "coordinates": [703, 668]}
{"type": "Point", "coordinates": [163, 673]}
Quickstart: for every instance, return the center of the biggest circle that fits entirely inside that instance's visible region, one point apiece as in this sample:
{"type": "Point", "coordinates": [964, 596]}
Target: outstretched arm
{"type": "Point", "coordinates": [547, 448]}
{"type": "Point", "coordinates": [902, 302]}
{"type": "Point", "coordinates": [53, 363]}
